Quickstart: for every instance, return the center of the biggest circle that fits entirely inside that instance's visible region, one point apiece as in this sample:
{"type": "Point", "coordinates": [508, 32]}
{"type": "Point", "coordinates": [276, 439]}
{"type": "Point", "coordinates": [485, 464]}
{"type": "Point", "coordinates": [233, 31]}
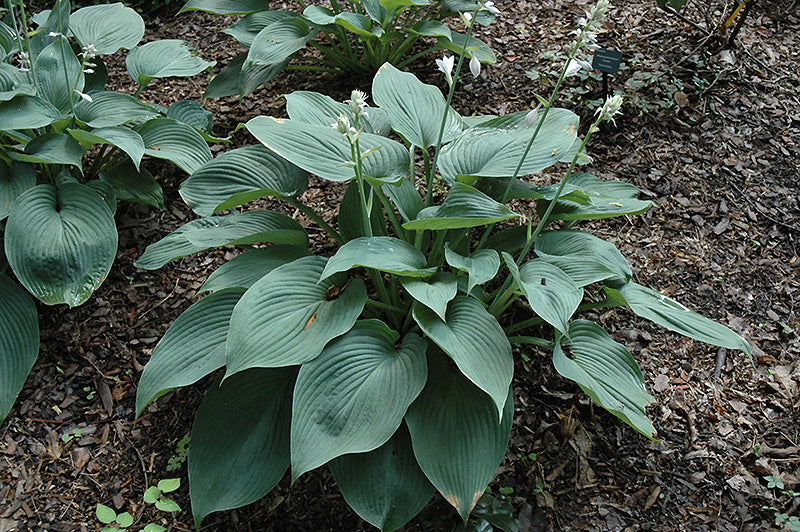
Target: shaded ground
{"type": "Point", "coordinates": [709, 134]}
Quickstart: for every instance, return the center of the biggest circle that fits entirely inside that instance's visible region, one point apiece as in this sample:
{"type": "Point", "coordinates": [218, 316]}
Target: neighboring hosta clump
{"type": "Point", "coordinates": [56, 203]}
{"type": "Point", "coordinates": [387, 361]}
{"type": "Point", "coordinates": [355, 36]}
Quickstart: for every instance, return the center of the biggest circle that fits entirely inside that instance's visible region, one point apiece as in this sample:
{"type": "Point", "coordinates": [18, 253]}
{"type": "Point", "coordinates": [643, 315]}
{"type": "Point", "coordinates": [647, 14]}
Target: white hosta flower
{"type": "Point", "coordinates": [84, 96]}
{"type": "Point", "coordinates": [357, 102]}
{"type": "Point", "coordinates": [446, 64]}
{"type": "Point", "coordinates": [576, 65]}
{"type": "Point", "coordinates": [467, 18]}
{"type": "Point", "coordinates": [610, 108]}
{"type": "Point", "coordinates": [54, 34]}
{"type": "Point", "coordinates": [89, 51]}
{"type": "Point", "coordinates": [475, 66]}
{"type": "Point", "coordinates": [342, 124]}
{"type": "Point", "coordinates": [489, 6]}
{"type": "Point", "coordinates": [532, 117]}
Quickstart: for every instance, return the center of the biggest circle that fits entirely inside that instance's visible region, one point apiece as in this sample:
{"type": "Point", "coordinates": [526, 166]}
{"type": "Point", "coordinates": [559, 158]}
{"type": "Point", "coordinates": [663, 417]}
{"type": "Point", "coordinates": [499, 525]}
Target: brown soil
{"type": "Point", "coordinates": [710, 134]}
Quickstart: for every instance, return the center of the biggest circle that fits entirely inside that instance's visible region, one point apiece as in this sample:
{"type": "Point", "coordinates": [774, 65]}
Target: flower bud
{"type": "Point", "coordinates": [532, 117]}
{"type": "Point", "coordinates": [610, 108]}
{"type": "Point", "coordinates": [342, 125]}
{"type": "Point", "coordinates": [475, 66]}
{"type": "Point", "coordinates": [357, 102]}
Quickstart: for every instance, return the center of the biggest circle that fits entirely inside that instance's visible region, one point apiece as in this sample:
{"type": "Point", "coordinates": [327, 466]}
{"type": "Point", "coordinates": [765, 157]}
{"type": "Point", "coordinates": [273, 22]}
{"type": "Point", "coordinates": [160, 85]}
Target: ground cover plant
{"type": "Point", "coordinates": [400, 379]}
{"type": "Point", "coordinates": [351, 37]}
{"type": "Point", "coordinates": [69, 150]}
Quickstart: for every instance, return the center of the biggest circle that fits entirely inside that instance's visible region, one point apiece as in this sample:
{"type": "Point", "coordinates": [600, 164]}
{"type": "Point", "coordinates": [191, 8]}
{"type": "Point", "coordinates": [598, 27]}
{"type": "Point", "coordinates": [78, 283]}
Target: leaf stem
{"type": "Point", "coordinates": [533, 340]}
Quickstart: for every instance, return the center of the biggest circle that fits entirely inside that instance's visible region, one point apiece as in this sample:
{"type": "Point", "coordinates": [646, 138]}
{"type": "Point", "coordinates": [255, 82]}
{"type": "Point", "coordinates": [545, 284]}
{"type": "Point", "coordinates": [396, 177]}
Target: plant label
{"type": "Point", "coordinates": [607, 61]}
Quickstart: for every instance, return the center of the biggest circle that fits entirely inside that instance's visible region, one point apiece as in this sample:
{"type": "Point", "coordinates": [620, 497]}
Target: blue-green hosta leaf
{"type": "Point", "coordinates": [192, 113]}
{"type": "Point", "coordinates": [432, 28]}
{"type": "Point", "coordinates": [375, 10]}
{"type": "Point", "coordinates": [246, 28]}
{"type": "Point", "coordinates": [463, 207]}
{"type": "Point", "coordinates": [385, 487]}
{"type": "Point", "coordinates": [384, 253]}
{"type": "Point", "coordinates": [240, 440]}
{"type": "Point", "coordinates": [550, 292]}
{"type": "Point", "coordinates": [485, 17]}
{"type": "Point", "coordinates": [253, 75]}
{"type": "Point", "coordinates": [458, 436]}
{"type": "Point", "coordinates": [107, 27]}
{"type": "Point", "coordinates": [14, 181]}
{"type": "Point", "coordinates": [226, 7]}
{"type": "Point", "coordinates": [481, 266]}
{"type": "Point", "coordinates": [57, 72]}
{"type": "Point", "coordinates": [474, 47]}
{"type": "Point", "coordinates": [226, 81]}
{"type": "Point", "coordinates": [105, 191]}
{"type": "Point", "coordinates": [434, 292]}
{"type": "Point", "coordinates": [131, 184]}
{"type": "Point", "coordinates": [606, 371]}
{"type": "Point", "coordinates": [406, 198]}
{"type": "Point", "coordinates": [414, 108]}
{"type": "Point", "coordinates": [240, 176]}
{"type": "Point", "coordinates": [358, 24]}
{"type": "Point", "coordinates": [277, 42]}
{"type": "Point", "coordinates": [51, 148]}
{"type": "Point", "coordinates": [604, 200]}
{"type": "Point", "coordinates": [123, 138]}
{"type": "Point", "coordinates": [475, 341]}
{"type": "Point", "coordinates": [353, 396]}
{"type": "Point", "coordinates": [192, 347]}
{"type": "Point", "coordinates": [510, 121]}
{"type": "Point", "coordinates": [244, 270]}
{"type": "Point", "coordinates": [653, 306]}
{"type": "Point", "coordinates": [13, 83]}
{"type": "Point", "coordinates": [583, 256]}
{"type": "Point", "coordinates": [8, 40]}
{"type": "Point", "coordinates": [61, 242]}
{"type": "Point", "coordinates": [235, 229]}
{"type": "Point", "coordinates": [164, 59]}
{"type": "Point", "coordinates": [510, 239]}
{"type": "Point", "coordinates": [325, 152]}
{"type": "Point", "coordinates": [497, 188]}
{"type": "Point", "coordinates": [165, 138]}
{"type": "Point", "coordinates": [56, 19]}
{"type": "Point", "coordinates": [318, 109]}
{"type": "Point", "coordinates": [288, 316]}
{"type": "Point", "coordinates": [27, 112]}
{"type": "Point", "coordinates": [489, 152]}
{"type": "Point", "coordinates": [109, 109]}
{"type": "Point", "coordinates": [351, 222]}
{"type": "Point", "coordinates": [19, 341]}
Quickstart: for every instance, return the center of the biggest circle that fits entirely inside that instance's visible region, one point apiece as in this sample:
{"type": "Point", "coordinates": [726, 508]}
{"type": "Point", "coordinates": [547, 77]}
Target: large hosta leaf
{"type": "Point", "coordinates": [489, 152]}
{"type": "Point", "coordinates": [240, 440]}
{"type": "Point", "coordinates": [19, 341]}
{"type": "Point", "coordinates": [235, 229]}
{"type": "Point", "coordinates": [14, 181]}
{"type": "Point", "coordinates": [240, 176]}
{"type": "Point", "coordinates": [458, 436]}
{"type": "Point", "coordinates": [604, 199]}
{"type": "Point", "coordinates": [475, 341]}
{"type": "Point", "coordinates": [61, 242]}
{"type": "Point", "coordinates": [244, 270]}
{"type": "Point", "coordinates": [134, 185]}
{"type": "Point", "coordinates": [277, 42]}
{"type": "Point", "coordinates": [353, 396]}
{"type": "Point", "coordinates": [481, 266]}
{"type": "Point", "coordinates": [474, 47]}
{"type": "Point", "coordinates": [107, 27]}
{"type": "Point", "coordinates": [123, 138]}
{"type": "Point", "coordinates": [246, 28]}
{"type": "Point", "coordinates": [57, 72]}
{"type": "Point", "coordinates": [463, 207]}
{"type": "Point", "coordinates": [606, 371]}
{"type": "Point", "coordinates": [385, 487]}
{"type": "Point", "coordinates": [383, 253]}
{"type": "Point", "coordinates": [583, 256]}
{"type": "Point", "coordinates": [175, 141]}
{"type": "Point", "coordinates": [351, 222]}
{"type": "Point", "coordinates": [164, 59]}
{"type": "Point", "coordinates": [318, 109]}
{"type": "Point", "coordinates": [323, 151]}
{"type": "Point", "coordinates": [405, 197]}
{"type": "Point", "coordinates": [550, 292]}
{"type": "Point", "coordinates": [226, 7]}
{"type": "Point", "coordinates": [668, 313]}
{"type": "Point", "coordinates": [434, 292]}
{"type": "Point", "coordinates": [109, 109]}
{"type": "Point", "coordinates": [414, 108]}
{"type": "Point", "coordinates": [51, 148]}
{"type": "Point", "coordinates": [288, 316]}
{"type": "Point", "coordinates": [27, 112]}
{"type": "Point", "coordinates": [192, 347]}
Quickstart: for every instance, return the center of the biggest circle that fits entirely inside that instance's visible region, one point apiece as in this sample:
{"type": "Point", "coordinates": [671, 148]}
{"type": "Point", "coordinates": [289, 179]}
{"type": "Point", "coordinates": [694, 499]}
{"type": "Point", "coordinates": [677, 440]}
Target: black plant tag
{"type": "Point", "coordinates": [607, 60]}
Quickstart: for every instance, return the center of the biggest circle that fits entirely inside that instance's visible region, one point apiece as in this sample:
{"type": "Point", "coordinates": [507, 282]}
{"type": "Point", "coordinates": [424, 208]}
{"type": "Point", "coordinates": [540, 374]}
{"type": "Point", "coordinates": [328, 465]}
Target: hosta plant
{"type": "Point", "coordinates": [391, 361]}
{"type": "Point", "coordinates": [69, 149]}
{"type": "Point", "coordinates": [354, 36]}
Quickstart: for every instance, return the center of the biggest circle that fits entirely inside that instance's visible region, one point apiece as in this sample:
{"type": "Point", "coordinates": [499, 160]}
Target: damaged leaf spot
{"type": "Point", "coordinates": [333, 292]}
{"type": "Point", "coordinates": [310, 321]}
